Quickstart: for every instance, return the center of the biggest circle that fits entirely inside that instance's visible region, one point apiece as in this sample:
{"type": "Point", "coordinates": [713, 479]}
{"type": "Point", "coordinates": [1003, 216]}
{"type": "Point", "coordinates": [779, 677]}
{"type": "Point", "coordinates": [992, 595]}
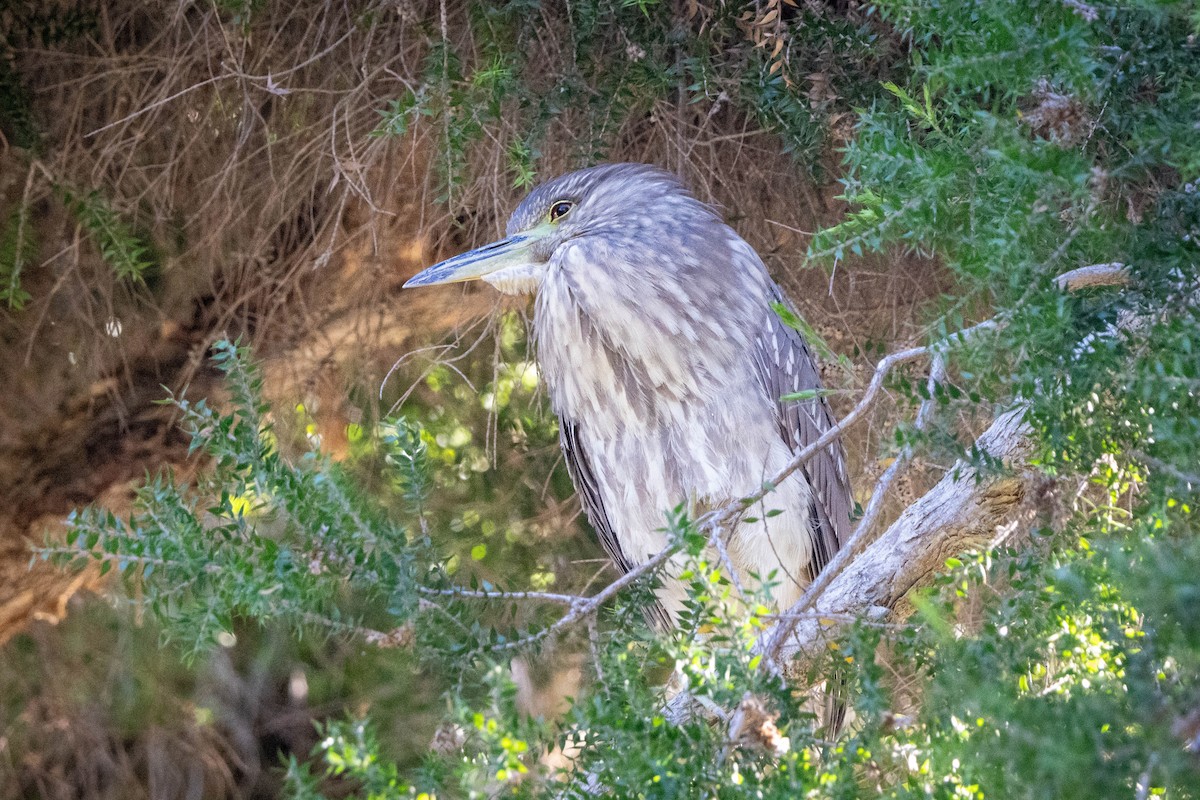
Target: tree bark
{"type": "Point", "coordinates": [967, 509]}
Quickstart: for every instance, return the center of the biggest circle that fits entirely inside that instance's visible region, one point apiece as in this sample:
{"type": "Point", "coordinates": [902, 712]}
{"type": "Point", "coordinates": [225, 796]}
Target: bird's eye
{"type": "Point", "coordinates": [560, 209]}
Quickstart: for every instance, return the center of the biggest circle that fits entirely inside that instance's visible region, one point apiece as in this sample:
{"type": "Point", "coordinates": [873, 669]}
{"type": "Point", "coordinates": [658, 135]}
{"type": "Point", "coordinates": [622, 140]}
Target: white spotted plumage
{"type": "Point", "coordinates": [666, 363]}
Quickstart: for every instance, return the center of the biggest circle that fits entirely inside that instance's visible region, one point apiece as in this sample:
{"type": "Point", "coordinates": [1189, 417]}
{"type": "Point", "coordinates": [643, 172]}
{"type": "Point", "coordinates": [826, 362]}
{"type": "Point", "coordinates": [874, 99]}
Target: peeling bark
{"type": "Point", "coordinates": [964, 511]}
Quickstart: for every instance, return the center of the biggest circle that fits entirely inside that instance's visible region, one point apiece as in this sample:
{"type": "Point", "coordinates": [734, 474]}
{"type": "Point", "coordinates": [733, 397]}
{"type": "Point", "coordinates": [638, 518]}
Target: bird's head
{"type": "Point", "coordinates": [619, 202]}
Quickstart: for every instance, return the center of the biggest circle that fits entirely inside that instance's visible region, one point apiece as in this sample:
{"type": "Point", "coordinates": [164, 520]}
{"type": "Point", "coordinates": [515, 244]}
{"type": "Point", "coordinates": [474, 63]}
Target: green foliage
{"type": "Point", "coordinates": [240, 12]}
{"type": "Point", "coordinates": [258, 536]}
{"type": "Point", "coordinates": [814, 339]}
{"type": "Point", "coordinates": [1058, 690]}
{"type": "Point", "coordinates": [129, 254]}
{"type": "Point", "coordinates": [262, 538]}
{"type": "Point", "coordinates": [1032, 141]}
{"type": "Point", "coordinates": [15, 118]}
{"type": "Point", "coordinates": [1063, 688]}
{"type": "Point", "coordinates": [25, 24]}
{"type": "Point", "coordinates": [350, 748]}
{"type": "Point", "coordinates": [619, 735]}
{"type": "Point", "coordinates": [612, 61]}
{"type": "Point", "coordinates": [17, 249]}
{"type": "Point", "coordinates": [28, 23]}
{"type": "Point", "coordinates": [479, 435]}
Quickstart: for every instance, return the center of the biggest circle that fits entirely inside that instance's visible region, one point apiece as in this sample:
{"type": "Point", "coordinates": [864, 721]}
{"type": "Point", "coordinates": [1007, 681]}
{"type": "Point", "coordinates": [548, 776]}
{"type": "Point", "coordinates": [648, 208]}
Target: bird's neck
{"type": "Point", "coordinates": [610, 361]}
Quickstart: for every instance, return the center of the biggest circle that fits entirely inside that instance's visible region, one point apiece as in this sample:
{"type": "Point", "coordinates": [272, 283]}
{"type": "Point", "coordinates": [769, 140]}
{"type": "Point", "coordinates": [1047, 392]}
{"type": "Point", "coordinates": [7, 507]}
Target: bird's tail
{"type": "Point", "coordinates": [836, 714]}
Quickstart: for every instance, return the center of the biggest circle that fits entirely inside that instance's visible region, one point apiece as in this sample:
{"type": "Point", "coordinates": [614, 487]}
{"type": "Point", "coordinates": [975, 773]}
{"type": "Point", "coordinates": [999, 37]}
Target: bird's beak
{"type": "Point", "coordinates": [515, 251]}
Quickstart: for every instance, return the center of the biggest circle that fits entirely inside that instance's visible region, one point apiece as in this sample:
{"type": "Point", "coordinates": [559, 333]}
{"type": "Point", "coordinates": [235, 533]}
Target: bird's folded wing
{"type": "Point", "coordinates": [785, 366]}
{"type": "Point", "coordinates": [579, 465]}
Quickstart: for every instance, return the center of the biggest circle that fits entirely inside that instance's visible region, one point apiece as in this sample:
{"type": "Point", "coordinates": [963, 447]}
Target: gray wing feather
{"type": "Point", "coordinates": [579, 466]}
{"type": "Point", "coordinates": [785, 366]}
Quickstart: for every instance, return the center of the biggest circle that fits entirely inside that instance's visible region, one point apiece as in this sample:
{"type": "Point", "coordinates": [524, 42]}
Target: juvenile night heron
{"type": "Point", "coordinates": [666, 363]}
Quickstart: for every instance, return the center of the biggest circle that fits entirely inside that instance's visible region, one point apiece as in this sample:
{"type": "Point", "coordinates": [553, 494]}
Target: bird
{"type": "Point", "coordinates": [658, 334]}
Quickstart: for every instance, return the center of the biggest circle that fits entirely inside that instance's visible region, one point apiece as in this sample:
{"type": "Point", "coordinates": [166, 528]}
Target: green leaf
{"type": "Point", "coordinates": [814, 340]}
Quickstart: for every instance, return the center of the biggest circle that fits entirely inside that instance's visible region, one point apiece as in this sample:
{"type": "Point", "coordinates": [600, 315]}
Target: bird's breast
{"type": "Point", "coordinates": [612, 354]}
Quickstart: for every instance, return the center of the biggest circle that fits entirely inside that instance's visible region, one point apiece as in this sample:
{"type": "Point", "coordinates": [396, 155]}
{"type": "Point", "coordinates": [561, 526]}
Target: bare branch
{"type": "Point", "coordinates": [724, 516]}
{"type": "Point", "coordinates": [592, 604]}
{"type": "Point", "coordinates": [1162, 466]}
{"type": "Point", "coordinates": [401, 636]}
{"type": "Point", "coordinates": [481, 594]}
{"type": "Point", "coordinates": [1112, 274]}
{"type": "Point", "coordinates": [961, 512]}
{"type": "Point", "coordinates": [937, 374]}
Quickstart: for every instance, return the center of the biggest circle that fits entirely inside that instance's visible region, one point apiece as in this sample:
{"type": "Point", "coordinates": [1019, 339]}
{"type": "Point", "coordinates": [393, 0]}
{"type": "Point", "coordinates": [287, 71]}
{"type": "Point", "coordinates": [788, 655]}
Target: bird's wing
{"type": "Point", "coordinates": [579, 466]}
{"type": "Point", "coordinates": [786, 366]}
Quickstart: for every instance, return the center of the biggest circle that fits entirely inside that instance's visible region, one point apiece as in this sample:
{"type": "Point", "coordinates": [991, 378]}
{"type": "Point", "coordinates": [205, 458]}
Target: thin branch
{"type": "Point", "coordinates": [482, 594]}
{"type": "Point", "coordinates": [722, 517]}
{"type": "Point", "coordinates": [592, 604]}
{"type": "Point", "coordinates": [268, 79]}
{"type": "Point", "coordinates": [937, 374]}
{"type": "Point", "coordinates": [156, 104]}
{"type": "Point", "coordinates": [401, 636]}
{"type": "Point", "coordinates": [1162, 466]}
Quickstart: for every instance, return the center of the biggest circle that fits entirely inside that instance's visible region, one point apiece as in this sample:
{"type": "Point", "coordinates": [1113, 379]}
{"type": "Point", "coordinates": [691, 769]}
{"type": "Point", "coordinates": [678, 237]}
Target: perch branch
{"type": "Point", "coordinates": [961, 512]}
{"type": "Point", "coordinates": [1111, 274]}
